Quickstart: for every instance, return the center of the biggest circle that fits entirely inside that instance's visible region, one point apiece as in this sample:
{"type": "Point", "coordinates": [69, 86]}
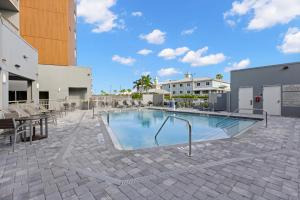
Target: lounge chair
{"type": "Point", "coordinates": [120, 104]}
{"type": "Point", "coordinates": [128, 103]}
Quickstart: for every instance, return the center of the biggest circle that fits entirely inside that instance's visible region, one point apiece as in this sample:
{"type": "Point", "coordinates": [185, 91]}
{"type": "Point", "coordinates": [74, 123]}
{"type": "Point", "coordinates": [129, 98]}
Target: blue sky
{"type": "Point", "coordinates": [204, 37]}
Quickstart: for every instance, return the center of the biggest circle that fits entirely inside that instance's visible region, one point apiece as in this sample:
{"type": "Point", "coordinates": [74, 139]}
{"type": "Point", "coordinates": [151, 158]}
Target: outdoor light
{"type": "Point", "coordinates": [285, 68]}
{"type": "Point", "coordinates": [58, 89]}
{"type": "Point", "coordinates": [37, 86]}
{"type": "Point", "coordinates": [4, 79]}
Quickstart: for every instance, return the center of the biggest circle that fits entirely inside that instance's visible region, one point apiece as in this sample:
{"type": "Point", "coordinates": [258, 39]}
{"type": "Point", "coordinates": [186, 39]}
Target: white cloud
{"type": "Point", "coordinates": [123, 60]}
{"type": "Point", "coordinates": [144, 52]}
{"type": "Point", "coordinates": [291, 41]}
{"type": "Point", "coordinates": [198, 59]}
{"type": "Point", "coordinates": [240, 65]}
{"type": "Point", "coordinates": [265, 13]}
{"type": "Point", "coordinates": [98, 13]}
{"type": "Point", "coordinates": [167, 72]}
{"type": "Point", "coordinates": [189, 31]}
{"type": "Point", "coordinates": [169, 53]}
{"type": "Point", "coordinates": [155, 37]}
{"type": "Point", "coordinates": [137, 14]}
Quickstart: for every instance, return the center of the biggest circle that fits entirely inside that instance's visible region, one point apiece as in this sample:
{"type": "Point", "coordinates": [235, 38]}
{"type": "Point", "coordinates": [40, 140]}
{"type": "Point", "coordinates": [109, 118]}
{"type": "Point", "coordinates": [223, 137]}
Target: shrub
{"type": "Point", "coordinates": [137, 96]}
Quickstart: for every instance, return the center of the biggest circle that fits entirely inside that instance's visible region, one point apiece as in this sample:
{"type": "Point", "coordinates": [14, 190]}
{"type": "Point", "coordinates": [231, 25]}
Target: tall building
{"type": "Point", "coordinates": [50, 27]}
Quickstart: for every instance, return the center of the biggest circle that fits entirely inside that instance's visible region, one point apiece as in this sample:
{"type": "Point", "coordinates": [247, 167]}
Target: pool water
{"type": "Point", "coordinates": [136, 129]}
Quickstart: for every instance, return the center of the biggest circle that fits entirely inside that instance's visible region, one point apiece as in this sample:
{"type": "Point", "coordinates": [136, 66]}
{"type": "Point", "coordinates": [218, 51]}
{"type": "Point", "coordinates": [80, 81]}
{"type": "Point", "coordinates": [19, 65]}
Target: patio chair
{"type": "Point", "coordinates": [10, 128]}
{"type": "Point", "coordinates": [73, 106]}
{"type": "Point", "coordinates": [128, 103]}
{"type": "Point", "coordinates": [120, 104]}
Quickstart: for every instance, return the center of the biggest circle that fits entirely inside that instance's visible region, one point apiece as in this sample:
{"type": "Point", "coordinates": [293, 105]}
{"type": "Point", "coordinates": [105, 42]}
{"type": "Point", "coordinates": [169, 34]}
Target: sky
{"type": "Point", "coordinates": [124, 39]}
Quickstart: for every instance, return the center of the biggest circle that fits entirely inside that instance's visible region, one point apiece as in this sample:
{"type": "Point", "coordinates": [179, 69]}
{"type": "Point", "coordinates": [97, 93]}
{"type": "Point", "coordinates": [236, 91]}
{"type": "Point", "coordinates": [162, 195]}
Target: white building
{"type": "Point", "coordinates": [197, 86]}
{"type": "Point", "coordinates": [18, 60]}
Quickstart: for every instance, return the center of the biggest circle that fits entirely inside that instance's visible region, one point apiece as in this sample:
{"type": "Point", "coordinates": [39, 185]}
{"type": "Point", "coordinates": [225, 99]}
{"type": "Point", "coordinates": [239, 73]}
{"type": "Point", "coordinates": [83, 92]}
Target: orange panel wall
{"type": "Point", "coordinates": [49, 26]}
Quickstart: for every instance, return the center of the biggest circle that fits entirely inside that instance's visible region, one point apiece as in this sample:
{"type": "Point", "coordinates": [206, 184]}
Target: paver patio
{"type": "Point", "coordinates": [78, 161]}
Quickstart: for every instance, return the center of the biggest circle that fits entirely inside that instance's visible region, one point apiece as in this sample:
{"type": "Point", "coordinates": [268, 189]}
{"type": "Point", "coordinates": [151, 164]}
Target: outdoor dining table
{"type": "Point", "coordinates": [32, 118]}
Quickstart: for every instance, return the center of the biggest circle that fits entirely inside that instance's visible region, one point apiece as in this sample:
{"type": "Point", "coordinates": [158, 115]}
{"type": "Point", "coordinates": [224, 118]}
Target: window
{"type": "Point", "coordinates": [188, 84]}
{"type": "Point", "coordinates": [181, 85]}
{"type": "Point", "coordinates": [197, 92]}
{"type": "Point", "coordinates": [174, 85]}
{"type": "Point", "coordinates": [188, 92]}
{"type": "Point", "coordinates": [181, 92]}
{"type": "Point", "coordinates": [174, 92]}
{"type": "Point", "coordinates": [198, 84]}
{"type": "Point", "coordinates": [207, 83]}
{"type": "Point", "coordinates": [169, 86]}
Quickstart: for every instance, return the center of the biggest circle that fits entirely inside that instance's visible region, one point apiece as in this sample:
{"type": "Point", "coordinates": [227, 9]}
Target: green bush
{"type": "Point", "coordinates": [188, 96]}
{"type": "Point", "coordinates": [137, 96]}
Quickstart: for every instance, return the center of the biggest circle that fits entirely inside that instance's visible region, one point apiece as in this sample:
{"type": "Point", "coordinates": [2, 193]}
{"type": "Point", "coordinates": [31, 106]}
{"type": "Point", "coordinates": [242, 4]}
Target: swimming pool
{"type": "Point", "coordinates": [136, 129]}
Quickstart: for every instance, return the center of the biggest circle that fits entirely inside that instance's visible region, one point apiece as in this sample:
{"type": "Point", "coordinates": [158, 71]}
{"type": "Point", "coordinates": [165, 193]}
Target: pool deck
{"type": "Point", "coordinates": [78, 161]}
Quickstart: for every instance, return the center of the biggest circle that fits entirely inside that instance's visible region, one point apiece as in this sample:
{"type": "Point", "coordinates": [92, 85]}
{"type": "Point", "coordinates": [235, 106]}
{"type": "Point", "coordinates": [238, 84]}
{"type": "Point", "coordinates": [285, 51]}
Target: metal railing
{"type": "Point", "coordinates": [107, 116]}
{"type": "Point", "coordinates": [239, 109]}
{"type": "Point", "coordinates": [190, 131]}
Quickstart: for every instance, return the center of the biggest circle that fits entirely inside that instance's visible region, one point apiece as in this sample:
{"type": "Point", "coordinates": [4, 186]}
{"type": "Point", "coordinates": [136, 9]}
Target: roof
{"type": "Point", "coordinates": [186, 80]}
{"type": "Point", "coordinates": [266, 66]}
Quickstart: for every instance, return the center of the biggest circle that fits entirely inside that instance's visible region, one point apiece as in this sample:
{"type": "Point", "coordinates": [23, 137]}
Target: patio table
{"type": "Point", "coordinates": [39, 118]}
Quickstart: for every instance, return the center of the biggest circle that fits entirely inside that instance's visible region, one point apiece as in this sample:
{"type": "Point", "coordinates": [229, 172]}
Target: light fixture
{"type": "Point", "coordinates": [37, 86]}
{"type": "Point", "coordinates": [58, 89]}
{"type": "Point", "coordinates": [17, 66]}
{"type": "Point", "coordinates": [4, 78]}
{"type": "Point", "coordinates": [285, 68]}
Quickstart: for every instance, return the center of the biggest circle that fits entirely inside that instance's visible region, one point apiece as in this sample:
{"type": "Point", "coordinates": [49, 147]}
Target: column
{"type": "Point", "coordinates": [32, 92]}
{"type": "Point", "coordinates": [4, 93]}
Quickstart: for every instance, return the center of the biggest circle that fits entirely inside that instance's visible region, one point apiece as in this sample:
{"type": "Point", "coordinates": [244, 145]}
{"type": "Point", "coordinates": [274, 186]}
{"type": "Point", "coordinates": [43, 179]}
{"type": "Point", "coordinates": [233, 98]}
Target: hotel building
{"type": "Point", "coordinates": [18, 59]}
{"type": "Point", "coordinates": [197, 86]}
{"type": "Point", "coordinates": [50, 27]}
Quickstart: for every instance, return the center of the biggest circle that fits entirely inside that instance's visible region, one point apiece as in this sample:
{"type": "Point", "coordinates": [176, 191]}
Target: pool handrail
{"type": "Point", "coordinates": [107, 115]}
{"type": "Point", "coordinates": [190, 131]}
{"type": "Point", "coordinates": [239, 109]}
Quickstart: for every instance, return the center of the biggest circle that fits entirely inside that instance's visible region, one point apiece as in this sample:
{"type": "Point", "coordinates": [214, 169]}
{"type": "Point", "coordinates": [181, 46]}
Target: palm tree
{"type": "Point", "coordinates": [219, 76]}
{"type": "Point", "coordinates": [147, 82]}
{"type": "Point", "coordinates": [137, 84]}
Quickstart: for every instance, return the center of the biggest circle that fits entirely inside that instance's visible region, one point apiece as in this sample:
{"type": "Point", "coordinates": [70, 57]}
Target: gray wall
{"type": "Point", "coordinates": [58, 79]}
{"type": "Point", "coordinates": [258, 77]}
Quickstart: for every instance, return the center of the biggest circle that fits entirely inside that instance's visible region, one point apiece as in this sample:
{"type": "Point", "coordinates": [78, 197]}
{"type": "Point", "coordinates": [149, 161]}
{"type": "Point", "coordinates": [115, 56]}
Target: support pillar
{"type": "Point", "coordinates": [4, 91]}
{"type": "Point", "coordinates": [32, 92]}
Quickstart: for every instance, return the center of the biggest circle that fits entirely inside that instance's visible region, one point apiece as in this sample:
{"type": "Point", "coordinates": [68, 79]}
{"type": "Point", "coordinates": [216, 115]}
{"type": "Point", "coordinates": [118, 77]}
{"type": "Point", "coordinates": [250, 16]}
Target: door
{"type": "Point", "coordinates": [272, 100]}
{"type": "Point", "coordinates": [246, 100]}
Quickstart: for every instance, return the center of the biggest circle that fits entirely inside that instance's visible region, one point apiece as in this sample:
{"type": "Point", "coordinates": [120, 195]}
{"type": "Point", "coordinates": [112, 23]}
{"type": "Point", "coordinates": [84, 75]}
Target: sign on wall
{"type": "Point", "coordinates": [291, 95]}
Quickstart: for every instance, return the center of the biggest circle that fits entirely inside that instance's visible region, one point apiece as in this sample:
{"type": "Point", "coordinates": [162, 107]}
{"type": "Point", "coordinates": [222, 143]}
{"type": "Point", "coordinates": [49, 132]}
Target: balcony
{"type": "Point", "coordinates": [11, 5]}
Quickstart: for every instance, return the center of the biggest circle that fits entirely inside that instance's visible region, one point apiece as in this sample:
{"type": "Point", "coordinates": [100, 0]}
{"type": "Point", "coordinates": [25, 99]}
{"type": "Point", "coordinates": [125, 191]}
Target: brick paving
{"type": "Point", "coordinates": [78, 161]}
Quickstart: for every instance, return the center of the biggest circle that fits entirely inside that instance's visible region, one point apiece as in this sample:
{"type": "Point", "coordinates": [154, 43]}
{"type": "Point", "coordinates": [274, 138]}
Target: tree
{"type": "Point", "coordinates": [219, 76]}
{"type": "Point", "coordinates": [147, 82]}
{"type": "Point", "coordinates": [129, 90]}
{"type": "Point", "coordinates": [103, 92]}
{"type": "Point", "coordinates": [137, 84]}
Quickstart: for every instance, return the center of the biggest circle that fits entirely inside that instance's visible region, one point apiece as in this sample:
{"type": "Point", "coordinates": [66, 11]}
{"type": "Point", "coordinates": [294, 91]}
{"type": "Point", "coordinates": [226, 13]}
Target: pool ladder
{"type": "Point", "coordinates": [189, 128]}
